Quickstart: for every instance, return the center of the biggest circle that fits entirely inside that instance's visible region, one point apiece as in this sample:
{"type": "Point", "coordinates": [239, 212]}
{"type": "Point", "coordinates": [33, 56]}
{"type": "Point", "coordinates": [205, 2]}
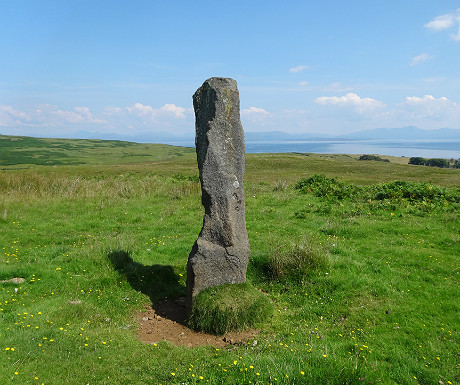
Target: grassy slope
{"type": "Point", "coordinates": [386, 311]}
{"type": "Point", "coordinates": [22, 151]}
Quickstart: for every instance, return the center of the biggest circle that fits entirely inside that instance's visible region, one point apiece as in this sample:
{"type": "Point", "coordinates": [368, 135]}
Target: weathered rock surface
{"type": "Point", "coordinates": [221, 253]}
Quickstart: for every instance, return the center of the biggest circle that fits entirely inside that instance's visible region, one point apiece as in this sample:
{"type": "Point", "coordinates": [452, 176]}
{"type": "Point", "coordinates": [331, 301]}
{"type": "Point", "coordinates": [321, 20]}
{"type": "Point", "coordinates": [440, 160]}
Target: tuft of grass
{"type": "Point", "coordinates": [297, 261]}
{"type": "Point", "coordinates": [229, 307]}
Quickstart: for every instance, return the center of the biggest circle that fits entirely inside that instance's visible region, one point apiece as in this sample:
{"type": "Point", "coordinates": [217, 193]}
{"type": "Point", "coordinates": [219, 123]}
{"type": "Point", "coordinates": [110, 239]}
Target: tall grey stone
{"type": "Point", "coordinates": [221, 253]}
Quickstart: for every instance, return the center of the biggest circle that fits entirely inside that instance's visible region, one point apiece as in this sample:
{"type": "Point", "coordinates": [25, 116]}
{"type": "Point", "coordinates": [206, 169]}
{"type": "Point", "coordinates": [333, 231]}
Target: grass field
{"type": "Point", "coordinates": [365, 288]}
{"type": "Point", "coordinates": [23, 151]}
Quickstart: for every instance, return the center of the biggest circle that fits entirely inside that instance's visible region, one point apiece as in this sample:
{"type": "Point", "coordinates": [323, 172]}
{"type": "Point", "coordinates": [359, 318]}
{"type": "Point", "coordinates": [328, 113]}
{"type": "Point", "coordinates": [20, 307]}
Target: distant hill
{"type": "Point", "coordinates": [23, 151]}
{"type": "Point", "coordinates": [409, 132]}
{"type": "Point", "coordinates": [404, 133]}
{"type": "Point", "coordinates": [283, 136]}
{"type": "Point", "coordinates": [154, 137]}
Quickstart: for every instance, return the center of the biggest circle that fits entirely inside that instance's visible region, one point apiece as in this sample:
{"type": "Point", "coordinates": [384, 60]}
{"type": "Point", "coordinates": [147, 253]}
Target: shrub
{"type": "Point", "coordinates": [229, 307]}
{"type": "Point", "coordinates": [418, 161]}
{"type": "Point", "coordinates": [330, 188]}
{"type": "Point", "coordinates": [437, 162]}
{"type": "Point", "coordinates": [433, 162]}
{"type": "Point", "coordinates": [323, 186]}
{"type": "Point", "coordinates": [414, 191]}
{"type": "Point", "coordinates": [373, 157]}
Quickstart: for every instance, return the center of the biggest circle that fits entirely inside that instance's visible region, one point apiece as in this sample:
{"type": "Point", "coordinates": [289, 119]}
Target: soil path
{"type": "Point", "coordinates": [166, 321]}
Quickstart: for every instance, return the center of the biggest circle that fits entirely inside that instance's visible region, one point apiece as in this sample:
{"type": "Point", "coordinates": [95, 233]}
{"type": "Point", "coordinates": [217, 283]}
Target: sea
{"type": "Point", "coordinates": [448, 149]}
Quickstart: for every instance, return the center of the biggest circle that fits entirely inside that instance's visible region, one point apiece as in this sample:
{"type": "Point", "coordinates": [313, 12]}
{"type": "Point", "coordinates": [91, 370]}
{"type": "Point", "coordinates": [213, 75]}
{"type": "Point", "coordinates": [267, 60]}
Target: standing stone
{"type": "Point", "coordinates": [221, 253]}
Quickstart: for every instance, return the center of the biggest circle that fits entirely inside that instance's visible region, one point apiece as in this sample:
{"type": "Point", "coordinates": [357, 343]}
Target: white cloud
{"type": "Point", "coordinates": [328, 114]}
{"type": "Point", "coordinates": [254, 110]}
{"type": "Point", "coordinates": [9, 116]}
{"type": "Point", "coordinates": [138, 109]}
{"type": "Point", "coordinates": [298, 69]}
{"type": "Point", "coordinates": [356, 113]}
{"type": "Point", "coordinates": [47, 115]}
{"type": "Point", "coordinates": [420, 59]}
{"type": "Point", "coordinates": [425, 99]}
{"type": "Point", "coordinates": [442, 22]}
{"type": "Point", "coordinates": [360, 105]}
{"type": "Point", "coordinates": [65, 116]}
{"type": "Point", "coordinates": [79, 115]}
{"type": "Point", "coordinates": [429, 107]}
{"type": "Point", "coordinates": [447, 21]}
{"type": "Point", "coordinates": [109, 110]}
{"type": "Point", "coordinates": [50, 120]}
{"type": "Point", "coordinates": [427, 112]}
{"type": "Point", "coordinates": [256, 117]}
{"type": "Point", "coordinates": [177, 112]}
{"type": "Point", "coordinates": [303, 84]}
{"type": "Point", "coordinates": [88, 116]}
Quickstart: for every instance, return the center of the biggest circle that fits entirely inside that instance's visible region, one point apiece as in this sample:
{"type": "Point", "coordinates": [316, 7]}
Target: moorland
{"type": "Point", "coordinates": [358, 258]}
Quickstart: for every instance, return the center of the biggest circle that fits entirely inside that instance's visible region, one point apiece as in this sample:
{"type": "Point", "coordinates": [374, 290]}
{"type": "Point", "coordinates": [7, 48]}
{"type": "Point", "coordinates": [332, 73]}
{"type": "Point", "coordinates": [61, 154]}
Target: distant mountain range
{"type": "Point", "coordinates": [404, 133]}
{"type": "Point", "coordinates": [409, 132]}
{"type": "Point", "coordinates": [153, 137]}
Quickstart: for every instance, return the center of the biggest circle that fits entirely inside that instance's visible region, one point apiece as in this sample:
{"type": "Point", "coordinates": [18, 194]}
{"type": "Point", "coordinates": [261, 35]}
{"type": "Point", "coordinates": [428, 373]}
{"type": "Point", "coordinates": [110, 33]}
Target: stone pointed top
{"type": "Point", "coordinates": [221, 82]}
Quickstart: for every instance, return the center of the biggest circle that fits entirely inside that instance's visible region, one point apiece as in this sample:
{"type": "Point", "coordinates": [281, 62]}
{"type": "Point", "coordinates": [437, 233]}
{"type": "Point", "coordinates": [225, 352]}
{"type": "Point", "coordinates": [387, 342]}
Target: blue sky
{"type": "Point", "coordinates": [301, 66]}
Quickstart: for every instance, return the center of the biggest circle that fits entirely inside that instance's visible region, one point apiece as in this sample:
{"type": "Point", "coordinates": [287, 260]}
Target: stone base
{"type": "Point", "coordinates": [212, 265]}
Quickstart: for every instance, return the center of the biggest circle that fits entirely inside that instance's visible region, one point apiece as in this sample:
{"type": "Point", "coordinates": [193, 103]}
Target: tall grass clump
{"type": "Point", "coordinates": [297, 261]}
{"type": "Point", "coordinates": [34, 185]}
{"type": "Point", "coordinates": [229, 307]}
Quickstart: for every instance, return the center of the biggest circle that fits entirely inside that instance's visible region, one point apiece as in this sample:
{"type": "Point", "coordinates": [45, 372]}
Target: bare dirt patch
{"type": "Point", "coordinates": [166, 321]}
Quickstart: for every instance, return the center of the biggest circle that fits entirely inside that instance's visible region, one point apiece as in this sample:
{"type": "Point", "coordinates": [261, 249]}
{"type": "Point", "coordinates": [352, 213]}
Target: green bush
{"type": "Point", "coordinates": [229, 307]}
{"type": "Point", "coordinates": [417, 160]}
{"type": "Point", "coordinates": [437, 162]}
{"type": "Point", "coordinates": [323, 186]}
{"type": "Point", "coordinates": [331, 188]}
{"type": "Point", "coordinates": [433, 162]}
{"type": "Point", "coordinates": [373, 157]}
{"type": "Point", "coordinates": [413, 191]}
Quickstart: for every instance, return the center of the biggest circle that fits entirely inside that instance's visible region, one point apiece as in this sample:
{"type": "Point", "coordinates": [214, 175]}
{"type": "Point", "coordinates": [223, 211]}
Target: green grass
{"type": "Point", "coordinates": [296, 262]}
{"type": "Point", "coordinates": [23, 151]}
{"type": "Point", "coordinates": [97, 242]}
{"type": "Point", "coordinates": [225, 308]}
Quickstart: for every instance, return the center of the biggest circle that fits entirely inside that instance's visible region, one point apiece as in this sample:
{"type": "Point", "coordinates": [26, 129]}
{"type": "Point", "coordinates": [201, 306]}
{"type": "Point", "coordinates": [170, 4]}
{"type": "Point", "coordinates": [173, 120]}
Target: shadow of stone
{"type": "Point", "coordinates": [157, 281]}
{"type": "Point", "coordinates": [172, 309]}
